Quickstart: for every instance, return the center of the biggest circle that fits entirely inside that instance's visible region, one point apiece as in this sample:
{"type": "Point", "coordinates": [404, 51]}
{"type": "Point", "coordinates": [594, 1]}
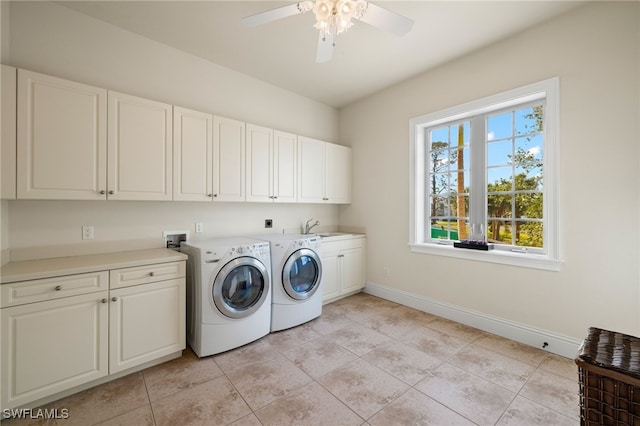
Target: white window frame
{"type": "Point", "coordinates": [549, 258]}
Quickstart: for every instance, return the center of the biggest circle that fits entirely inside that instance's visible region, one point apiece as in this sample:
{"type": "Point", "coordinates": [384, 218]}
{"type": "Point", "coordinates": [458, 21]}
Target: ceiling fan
{"type": "Point", "coordinates": [334, 17]}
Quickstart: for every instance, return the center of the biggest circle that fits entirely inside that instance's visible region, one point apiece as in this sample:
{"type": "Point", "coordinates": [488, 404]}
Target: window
{"type": "Point", "coordinates": [486, 171]}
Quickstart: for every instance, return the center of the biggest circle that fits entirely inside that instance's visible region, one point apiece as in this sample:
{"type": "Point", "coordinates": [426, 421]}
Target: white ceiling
{"type": "Point", "coordinates": [283, 52]}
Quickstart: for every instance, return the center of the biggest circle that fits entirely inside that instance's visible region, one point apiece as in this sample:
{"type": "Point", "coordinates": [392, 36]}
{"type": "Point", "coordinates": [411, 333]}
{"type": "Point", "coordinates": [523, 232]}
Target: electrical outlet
{"type": "Point", "coordinates": [87, 232]}
{"type": "Point", "coordinates": [268, 223]}
{"type": "Point", "coordinates": [199, 227]}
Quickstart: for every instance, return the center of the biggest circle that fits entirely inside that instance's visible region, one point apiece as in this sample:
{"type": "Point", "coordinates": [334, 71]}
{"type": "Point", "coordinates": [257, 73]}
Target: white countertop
{"type": "Point", "coordinates": [58, 266]}
{"type": "Point", "coordinates": [336, 236]}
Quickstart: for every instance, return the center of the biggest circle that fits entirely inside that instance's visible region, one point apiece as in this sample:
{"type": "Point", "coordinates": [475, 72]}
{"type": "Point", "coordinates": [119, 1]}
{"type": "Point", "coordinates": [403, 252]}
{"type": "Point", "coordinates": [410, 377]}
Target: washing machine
{"type": "Point", "coordinates": [296, 275]}
{"type": "Point", "coordinates": [228, 293]}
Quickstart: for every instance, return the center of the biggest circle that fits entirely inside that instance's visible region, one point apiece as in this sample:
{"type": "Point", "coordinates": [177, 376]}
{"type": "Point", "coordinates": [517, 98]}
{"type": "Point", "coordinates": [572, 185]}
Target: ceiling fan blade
{"type": "Point", "coordinates": [272, 15]}
{"type": "Point", "coordinates": [325, 48]}
{"type": "Point", "coordinates": [387, 20]}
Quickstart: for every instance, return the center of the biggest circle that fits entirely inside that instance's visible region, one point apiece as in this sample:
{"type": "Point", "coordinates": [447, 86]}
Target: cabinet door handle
{"type": "Point", "coordinates": [114, 299]}
{"type": "Point", "coordinates": [275, 197]}
{"type": "Point", "coordinates": [341, 255]}
{"type": "Point", "coordinates": [151, 273]}
{"type": "Point", "coordinates": [111, 192]}
{"type": "Point", "coordinates": [104, 301]}
{"type": "Point", "coordinates": [103, 192]}
{"type": "Point", "coordinates": [215, 195]}
{"type": "Point", "coordinates": [58, 288]}
{"type": "Point", "coordinates": [209, 195]}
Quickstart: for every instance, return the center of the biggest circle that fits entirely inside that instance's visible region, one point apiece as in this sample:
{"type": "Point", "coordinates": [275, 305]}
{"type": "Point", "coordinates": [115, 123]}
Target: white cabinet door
{"type": "Point", "coordinates": [285, 171]}
{"type": "Point", "coordinates": [192, 155]}
{"type": "Point", "coordinates": [48, 347]}
{"type": "Point", "coordinates": [8, 132]}
{"type": "Point", "coordinates": [228, 159]}
{"type": "Point", "coordinates": [330, 273]}
{"type": "Point", "coordinates": [271, 165]}
{"type": "Point", "coordinates": [62, 139]}
{"type": "Point", "coordinates": [311, 170]}
{"type": "Point", "coordinates": [324, 174]}
{"type": "Point", "coordinates": [146, 322]}
{"type": "Point", "coordinates": [352, 270]}
{"type": "Point", "coordinates": [343, 267]}
{"type": "Point", "coordinates": [338, 174]}
{"type": "Point", "coordinates": [259, 164]}
{"type": "Point", "coordinates": [140, 148]}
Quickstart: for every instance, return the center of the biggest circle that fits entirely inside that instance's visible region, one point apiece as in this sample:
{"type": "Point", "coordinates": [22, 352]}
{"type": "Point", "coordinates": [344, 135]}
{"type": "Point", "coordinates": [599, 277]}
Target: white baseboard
{"type": "Point", "coordinates": [556, 343]}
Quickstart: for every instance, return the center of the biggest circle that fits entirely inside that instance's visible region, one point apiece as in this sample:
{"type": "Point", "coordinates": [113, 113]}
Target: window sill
{"type": "Point", "coordinates": [494, 256]}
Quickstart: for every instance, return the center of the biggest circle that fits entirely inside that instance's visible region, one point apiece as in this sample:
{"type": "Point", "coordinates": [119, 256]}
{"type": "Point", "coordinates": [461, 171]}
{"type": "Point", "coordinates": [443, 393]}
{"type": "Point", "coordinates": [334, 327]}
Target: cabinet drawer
{"type": "Point", "coordinates": [20, 293]}
{"type": "Point", "coordinates": [146, 274]}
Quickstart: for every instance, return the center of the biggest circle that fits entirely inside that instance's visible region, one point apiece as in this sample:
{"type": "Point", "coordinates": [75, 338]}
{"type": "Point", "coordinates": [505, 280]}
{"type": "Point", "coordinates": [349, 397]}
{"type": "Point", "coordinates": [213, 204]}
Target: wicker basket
{"type": "Point", "coordinates": [609, 372]}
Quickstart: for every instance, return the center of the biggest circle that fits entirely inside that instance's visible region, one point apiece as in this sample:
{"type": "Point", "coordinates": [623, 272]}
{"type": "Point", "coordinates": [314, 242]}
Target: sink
{"type": "Point", "coordinates": [332, 234]}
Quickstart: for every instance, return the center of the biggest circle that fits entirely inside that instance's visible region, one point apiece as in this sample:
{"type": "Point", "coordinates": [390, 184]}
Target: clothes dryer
{"type": "Point", "coordinates": [297, 276]}
{"type": "Point", "coordinates": [228, 293]}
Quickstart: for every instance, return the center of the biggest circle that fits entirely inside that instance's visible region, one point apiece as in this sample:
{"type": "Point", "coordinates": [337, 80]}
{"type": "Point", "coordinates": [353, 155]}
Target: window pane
{"type": "Point", "coordinates": [444, 230]}
{"type": "Point", "coordinates": [528, 152]}
{"type": "Point", "coordinates": [499, 153]}
{"type": "Point", "coordinates": [459, 158]}
{"type": "Point", "coordinates": [440, 207]}
{"type": "Point", "coordinates": [529, 234]}
{"type": "Point", "coordinates": [462, 229]}
{"type": "Point", "coordinates": [526, 183]}
{"type": "Point", "coordinates": [438, 184]}
{"type": "Point", "coordinates": [460, 182]}
{"type": "Point", "coordinates": [499, 206]}
{"type": "Point", "coordinates": [529, 206]}
{"type": "Point", "coordinates": [529, 120]}
{"type": "Point", "coordinates": [499, 126]}
{"type": "Point", "coordinates": [499, 179]}
{"type": "Point", "coordinates": [460, 206]}
{"type": "Point", "coordinates": [440, 135]}
{"type": "Point", "coordinates": [459, 134]}
{"type": "Point", "coordinates": [534, 172]}
{"type": "Point", "coordinates": [499, 231]}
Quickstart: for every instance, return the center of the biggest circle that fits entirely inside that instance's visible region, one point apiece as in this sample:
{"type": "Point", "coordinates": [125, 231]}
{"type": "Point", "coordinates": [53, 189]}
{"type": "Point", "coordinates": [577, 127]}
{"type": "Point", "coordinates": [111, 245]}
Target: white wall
{"type": "Point", "coordinates": [4, 58]}
{"type": "Point", "coordinates": [49, 38]}
{"type": "Point", "coordinates": [596, 53]}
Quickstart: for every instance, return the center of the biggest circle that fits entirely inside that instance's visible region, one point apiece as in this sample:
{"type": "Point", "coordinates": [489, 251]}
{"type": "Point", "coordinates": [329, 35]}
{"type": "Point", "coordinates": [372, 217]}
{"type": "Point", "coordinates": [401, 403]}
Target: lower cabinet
{"type": "Point", "coordinates": [54, 339]}
{"type": "Point", "coordinates": [343, 267]}
{"type": "Point", "coordinates": [146, 322]}
{"type": "Point", "coordinates": [48, 347]}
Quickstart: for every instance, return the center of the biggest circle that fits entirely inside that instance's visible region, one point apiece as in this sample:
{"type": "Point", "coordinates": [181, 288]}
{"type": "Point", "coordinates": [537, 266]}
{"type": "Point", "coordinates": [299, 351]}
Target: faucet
{"type": "Point", "coordinates": [308, 228]}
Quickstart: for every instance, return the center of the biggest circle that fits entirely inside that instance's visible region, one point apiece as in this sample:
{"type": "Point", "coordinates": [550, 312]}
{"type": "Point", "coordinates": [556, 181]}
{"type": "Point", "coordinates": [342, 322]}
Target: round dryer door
{"type": "Point", "coordinates": [241, 287]}
{"type": "Point", "coordinates": [301, 274]}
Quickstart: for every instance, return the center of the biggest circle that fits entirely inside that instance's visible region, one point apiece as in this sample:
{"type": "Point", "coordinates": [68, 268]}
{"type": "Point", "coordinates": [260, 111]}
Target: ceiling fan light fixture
{"type": "Point", "coordinates": [334, 16]}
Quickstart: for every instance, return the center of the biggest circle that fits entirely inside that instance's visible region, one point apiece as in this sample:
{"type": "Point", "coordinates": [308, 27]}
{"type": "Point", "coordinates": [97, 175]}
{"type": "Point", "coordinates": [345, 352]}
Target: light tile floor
{"type": "Point", "coordinates": [364, 361]}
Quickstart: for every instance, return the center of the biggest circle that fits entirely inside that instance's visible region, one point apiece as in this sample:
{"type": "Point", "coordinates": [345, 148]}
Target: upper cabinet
{"type": "Point", "coordinates": [192, 155]}
{"type": "Point", "coordinates": [310, 170]}
{"type": "Point", "coordinates": [62, 139]}
{"type": "Point", "coordinates": [285, 167]}
{"type": "Point", "coordinates": [140, 148]}
{"type": "Point", "coordinates": [271, 165]}
{"type": "Point", "coordinates": [228, 159]}
{"type": "Point", "coordinates": [8, 132]}
{"type": "Point", "coordinates": [324, 172]}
